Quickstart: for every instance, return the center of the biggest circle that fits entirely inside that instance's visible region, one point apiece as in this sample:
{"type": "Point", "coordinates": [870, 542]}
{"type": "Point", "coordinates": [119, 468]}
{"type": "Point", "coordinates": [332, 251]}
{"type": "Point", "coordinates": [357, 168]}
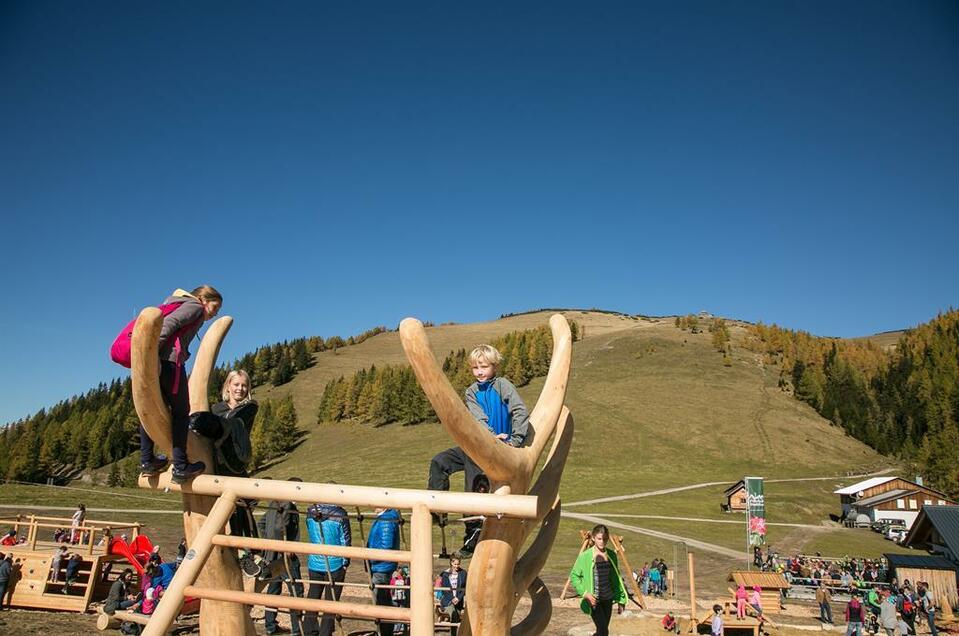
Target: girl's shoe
{"type": "Point", "coordinates": [182, 474]}
{"type": "Point", "coordinates": [154, 467]}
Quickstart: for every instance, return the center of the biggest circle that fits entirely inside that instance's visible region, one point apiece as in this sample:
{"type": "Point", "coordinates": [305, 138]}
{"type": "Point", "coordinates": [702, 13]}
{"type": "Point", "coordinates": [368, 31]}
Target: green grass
{"type": "Point", "coordinates": [92, 496]}
{"type": "Point", "coordinates": [854, 541]}
{"type": "Point", "coordinates": [806, 502]}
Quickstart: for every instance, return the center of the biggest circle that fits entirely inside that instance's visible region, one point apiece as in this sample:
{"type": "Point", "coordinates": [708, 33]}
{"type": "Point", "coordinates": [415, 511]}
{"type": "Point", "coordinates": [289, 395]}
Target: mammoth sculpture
{"type": "Point", "coordinates": [493, 597]}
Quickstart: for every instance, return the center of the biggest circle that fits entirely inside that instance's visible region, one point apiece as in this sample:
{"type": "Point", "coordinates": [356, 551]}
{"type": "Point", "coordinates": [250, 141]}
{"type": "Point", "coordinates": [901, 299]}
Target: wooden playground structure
{"type": "Point", "coordinates": [33, 585]}
{"type": "Point", "coordinates": [515, 507]}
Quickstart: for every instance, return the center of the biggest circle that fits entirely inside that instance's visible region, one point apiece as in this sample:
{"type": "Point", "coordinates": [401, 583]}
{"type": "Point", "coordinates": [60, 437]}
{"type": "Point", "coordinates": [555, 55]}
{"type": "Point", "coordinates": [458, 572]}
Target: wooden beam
{"type": "Point", "coordinates": [470, 503]}
{"type": "Point", "coordinates": [341, 608]}
{"type": "Point", "coordinates": [299, 547]}
{"type": "Point", "coordinates": [169, 605]}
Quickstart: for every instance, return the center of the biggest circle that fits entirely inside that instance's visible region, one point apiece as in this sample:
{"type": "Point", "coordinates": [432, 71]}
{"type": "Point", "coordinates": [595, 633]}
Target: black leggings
{"type": "Point", "coordinates": [179, 405]}
{"type": "Point", "coordinates": [602, 613]}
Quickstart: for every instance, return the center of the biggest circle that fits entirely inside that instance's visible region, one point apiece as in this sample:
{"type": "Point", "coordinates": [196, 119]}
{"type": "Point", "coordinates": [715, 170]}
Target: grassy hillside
{"type": "Point", "coordinates": [654, 408]}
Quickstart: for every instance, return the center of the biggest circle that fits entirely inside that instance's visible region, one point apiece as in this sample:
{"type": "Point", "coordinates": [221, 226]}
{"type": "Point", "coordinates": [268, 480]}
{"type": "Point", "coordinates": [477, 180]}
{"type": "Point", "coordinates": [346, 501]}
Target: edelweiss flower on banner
{"type": "Point", "coordinates": [757, 525]}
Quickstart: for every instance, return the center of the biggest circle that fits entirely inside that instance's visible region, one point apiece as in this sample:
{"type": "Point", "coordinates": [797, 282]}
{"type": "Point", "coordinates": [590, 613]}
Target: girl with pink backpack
{"type": "Point", "coordinates": [183, 315]}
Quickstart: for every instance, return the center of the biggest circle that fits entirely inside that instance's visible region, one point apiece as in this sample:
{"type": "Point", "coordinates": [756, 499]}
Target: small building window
{"type": "Point", "coordinates": [901, 504]}
{"type": "Point", "coordinates": [912, 504]}
{"type": "Point", "coordinates": [942, 502]}
{"type": "Point", "coordinates": [927, 502]}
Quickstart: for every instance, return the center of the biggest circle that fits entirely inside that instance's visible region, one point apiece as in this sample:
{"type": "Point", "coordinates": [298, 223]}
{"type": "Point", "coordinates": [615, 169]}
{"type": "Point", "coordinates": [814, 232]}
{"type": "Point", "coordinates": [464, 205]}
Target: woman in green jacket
{"type": "Point", "coordinates": [595, 577]}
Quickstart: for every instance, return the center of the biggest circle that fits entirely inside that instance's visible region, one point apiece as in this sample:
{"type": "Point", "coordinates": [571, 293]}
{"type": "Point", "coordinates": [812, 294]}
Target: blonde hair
{"type": "Point", "coordinates": [487, 353]}
{"type": "Point", "coordinates": [237, 373]}
{"type": "Point", "coordinates": [207, 293]}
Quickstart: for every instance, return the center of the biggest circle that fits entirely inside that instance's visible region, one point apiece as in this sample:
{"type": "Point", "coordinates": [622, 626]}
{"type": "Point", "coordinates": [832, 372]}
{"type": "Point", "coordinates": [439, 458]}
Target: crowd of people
{"type": "Point", "coordinates": [848, 572]}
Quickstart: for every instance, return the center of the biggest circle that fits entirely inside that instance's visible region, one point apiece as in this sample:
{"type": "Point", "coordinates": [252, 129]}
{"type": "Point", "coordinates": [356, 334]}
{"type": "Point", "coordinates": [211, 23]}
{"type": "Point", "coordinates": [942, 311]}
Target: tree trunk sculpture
{"type": "Point", "coordinates": [498, 575]}
{"type": "Point", "coordinates": [222, 571]}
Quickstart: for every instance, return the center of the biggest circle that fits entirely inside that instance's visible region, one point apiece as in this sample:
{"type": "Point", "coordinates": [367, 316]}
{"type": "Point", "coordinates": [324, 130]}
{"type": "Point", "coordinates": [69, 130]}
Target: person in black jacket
{"type": "Point", "coordinates": [6, 572]}
{"type": "Point", "coordinates": [282, 522]}
{"type": "Point", "coordinates": [453, 599]}
{"type": "Point", "coordinates": [119, 597]}
{"type": "Point", "coordinates": [228, 425]}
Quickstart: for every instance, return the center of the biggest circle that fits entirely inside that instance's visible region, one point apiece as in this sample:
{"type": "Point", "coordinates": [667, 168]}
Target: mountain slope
{"type": "Point", "coordinates": [654, 407]}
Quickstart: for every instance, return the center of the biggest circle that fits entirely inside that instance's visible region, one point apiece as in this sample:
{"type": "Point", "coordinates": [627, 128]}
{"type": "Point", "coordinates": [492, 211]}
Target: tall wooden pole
{"type": "Point", "coordinates": [200, 550]}
{"type": "Point", "coordinates": [421, 571]}
{"type": "Point", "coordinates": [693, 619]}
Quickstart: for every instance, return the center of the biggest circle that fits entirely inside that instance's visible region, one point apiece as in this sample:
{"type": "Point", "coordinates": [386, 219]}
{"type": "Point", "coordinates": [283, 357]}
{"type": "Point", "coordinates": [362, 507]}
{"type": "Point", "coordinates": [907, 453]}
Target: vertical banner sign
{"type": "Point", "coordinates": [755, 512]}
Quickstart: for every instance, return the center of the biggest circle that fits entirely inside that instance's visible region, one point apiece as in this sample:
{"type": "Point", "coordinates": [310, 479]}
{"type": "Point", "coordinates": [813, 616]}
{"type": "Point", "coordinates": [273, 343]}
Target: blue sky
{"type": "Point", "coordinates": [331, 167]}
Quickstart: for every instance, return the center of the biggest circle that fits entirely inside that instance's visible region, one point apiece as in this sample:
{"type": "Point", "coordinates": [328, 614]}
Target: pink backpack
{"type": "Point", "coordinates": [120, 351]}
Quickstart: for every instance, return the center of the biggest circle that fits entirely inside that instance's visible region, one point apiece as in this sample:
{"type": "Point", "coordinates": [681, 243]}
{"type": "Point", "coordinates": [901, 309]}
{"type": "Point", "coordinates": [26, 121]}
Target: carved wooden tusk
{"type": "Point", "coordinates": [540, 613]}
{"type": "Point", "coordinates": [546, 487]}
{"type": "Point", "coordinates": [533, 560]}
{"type": "Point", "coordinates": [500, 462]}
{"type": "Point", "coordinates": [550, 403]}
{"type": "Point", "coordinates": [204, 361]}
{"type": "Point", "coordinates": [145, 378]}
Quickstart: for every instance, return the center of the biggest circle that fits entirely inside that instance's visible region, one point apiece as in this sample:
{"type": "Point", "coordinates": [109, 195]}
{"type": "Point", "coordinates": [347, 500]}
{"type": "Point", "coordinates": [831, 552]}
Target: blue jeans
{"type": "Point", "coordinates": [276, 588]}
{"type": "Point", "coordinates": [853, 627]}
{"type": "Point", "coordinates": [825, 613]}
{"type": "Point", "coordinates": [931, 616]}
{"type": "Point", "coordinates": [383, 598]}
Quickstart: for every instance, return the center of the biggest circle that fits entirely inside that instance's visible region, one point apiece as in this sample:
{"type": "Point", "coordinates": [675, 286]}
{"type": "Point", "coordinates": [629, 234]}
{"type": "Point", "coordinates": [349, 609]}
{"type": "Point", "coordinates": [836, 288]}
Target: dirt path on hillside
{"type": "Point", "coordinates": [706, 484]}
{"type": "Point", "coordinates": [693, 543]}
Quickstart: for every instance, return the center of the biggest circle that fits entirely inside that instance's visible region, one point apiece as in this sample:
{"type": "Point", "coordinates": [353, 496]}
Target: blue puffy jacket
{"type": "Point", "coordinates": [328, 524]}
{"type": "Point", "coordinates": [164, 576]}
{"type": "Point", "coordinates": [384, 535]}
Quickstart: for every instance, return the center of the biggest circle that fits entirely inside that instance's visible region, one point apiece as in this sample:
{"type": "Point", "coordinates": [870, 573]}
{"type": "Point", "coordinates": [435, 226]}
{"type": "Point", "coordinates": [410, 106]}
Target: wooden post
{"type": "Point", "coordinates": [190, 568]}
{"type": "Point", "coordinates": [617, 542]}
{"type": "Point", "coordinates": [16, 525]}
{"type": "Point", "coordinates": [693, 619]}
{"type": "Point", "coordinates": [586, 542]}
{"type": "Point", "coordinates": [421, 572]}
{"type": "Point", "coordinates": [93, 536]}
{"type": "Point", "coordinates": [32, 533]}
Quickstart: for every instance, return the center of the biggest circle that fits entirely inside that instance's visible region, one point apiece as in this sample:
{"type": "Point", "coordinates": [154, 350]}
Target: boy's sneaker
{"type": "Point", "coordinates": [248, 565]}
{"type": "Point", "coordinates": [182, 474]}
{"type": "Point", "coordinates": [155, 467]}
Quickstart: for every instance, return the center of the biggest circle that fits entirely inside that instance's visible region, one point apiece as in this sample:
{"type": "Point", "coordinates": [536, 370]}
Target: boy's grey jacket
{"type": "Point", "coordinates": [514, 403]}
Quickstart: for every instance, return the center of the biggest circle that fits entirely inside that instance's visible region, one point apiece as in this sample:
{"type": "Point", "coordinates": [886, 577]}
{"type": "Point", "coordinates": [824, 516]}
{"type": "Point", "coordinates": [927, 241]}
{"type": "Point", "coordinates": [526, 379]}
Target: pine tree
{"type": "Point", "coordinates": [300, 356]}
{"type": "Point", "coordinates": [283, 371]}
{"type": "Point", "coordinates": [284, 432]}
{"type": "Point", "coordinates": [115, 478]}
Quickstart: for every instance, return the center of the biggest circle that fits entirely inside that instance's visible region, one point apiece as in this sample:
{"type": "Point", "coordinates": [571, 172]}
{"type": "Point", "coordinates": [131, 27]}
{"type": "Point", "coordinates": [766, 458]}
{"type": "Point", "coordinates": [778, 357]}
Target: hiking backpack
{"type": "Point", "coordinates": [120, 351]}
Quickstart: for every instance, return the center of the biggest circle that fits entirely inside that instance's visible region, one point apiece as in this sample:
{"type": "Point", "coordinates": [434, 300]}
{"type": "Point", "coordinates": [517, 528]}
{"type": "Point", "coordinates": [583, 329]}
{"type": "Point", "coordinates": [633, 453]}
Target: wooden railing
{"type": "Point", "coordinates": [420, 556]}
{"type": "Point", "coordinates": [88, 531]}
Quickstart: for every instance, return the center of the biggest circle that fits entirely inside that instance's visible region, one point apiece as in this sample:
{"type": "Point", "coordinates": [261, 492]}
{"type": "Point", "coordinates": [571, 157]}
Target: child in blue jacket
{"type": "Point", "coordinates": [495, 404]}
{"type": "Point", "coordinates": [330, 525]}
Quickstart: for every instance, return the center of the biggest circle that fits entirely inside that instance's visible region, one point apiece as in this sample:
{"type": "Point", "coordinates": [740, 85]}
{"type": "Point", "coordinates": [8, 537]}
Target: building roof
{"type": "Point", "coordinates": [920, 562]}
{"type": "Point", "coordinates": [765, 580]}
{"type": "Point", "coordinates": [883, 497]}
{"type": "Point", "coordinates": [945, 519]}
{"type": "Point", "coordinates": [862, 485]}
{"type": "Point", "coordinates": [737, 486]}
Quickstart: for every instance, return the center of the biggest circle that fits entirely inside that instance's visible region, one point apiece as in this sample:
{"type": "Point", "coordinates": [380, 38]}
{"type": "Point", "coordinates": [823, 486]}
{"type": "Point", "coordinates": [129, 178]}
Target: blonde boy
{"type": "Point", "coordinates": [494, 402]}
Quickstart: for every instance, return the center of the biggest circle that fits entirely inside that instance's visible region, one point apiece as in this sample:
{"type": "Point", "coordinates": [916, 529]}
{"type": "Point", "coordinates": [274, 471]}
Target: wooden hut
{"type": "Point", "coordinates": [735, 497]}
{"type": "Point", "coordinates": [939, 572]}
{"type": "Point", "coordinates": [772, 586]}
